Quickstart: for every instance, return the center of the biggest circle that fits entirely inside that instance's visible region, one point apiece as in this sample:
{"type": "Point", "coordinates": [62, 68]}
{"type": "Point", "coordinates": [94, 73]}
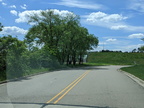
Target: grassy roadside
{"type": "Point", "coordinates": [33, 71]}
{"type": "Point", "coordinates": [120, 58]}
{"type": "Point", "coordinates": [97, 64]}
{"type": "Point", "coordinates": [137, 70]}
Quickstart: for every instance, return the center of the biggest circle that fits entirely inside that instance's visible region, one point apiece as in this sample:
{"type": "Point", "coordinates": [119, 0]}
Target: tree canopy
{"type": "Point", "coordinates": [1, 26]}
{"type": "Point", "coordinates": [52, 40]}
{"type": "Point", "coordinates": [62, 36]}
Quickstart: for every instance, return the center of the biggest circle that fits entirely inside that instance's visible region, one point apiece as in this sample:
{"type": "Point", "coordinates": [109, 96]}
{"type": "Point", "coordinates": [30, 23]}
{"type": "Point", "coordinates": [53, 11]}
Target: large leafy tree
{"type": "Point", "coordinates": [47, 30]}
{"type": "Point", "coordinates": [141, 49]}
{"type": "Point", "coordinates": [5, 44]}
{"type": "Point", "coordinates": [61, 36]}
{"type": "Point", "coordinates": [11, 60]}
{"type": "Point", "coordinates": [1, 26]}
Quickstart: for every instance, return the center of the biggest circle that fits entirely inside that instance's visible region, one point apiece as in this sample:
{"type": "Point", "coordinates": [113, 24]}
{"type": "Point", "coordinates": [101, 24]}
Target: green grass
{"type": "Point", "coordinates": [119, 58]}
{"type": "Point", "coordinates": [96, 64]}
{"type": "Point", "coordinates": [137, 70]}
{"type": "Point", "coordinates": [35, 71]}
{"type": "Point", "coordinates": [115, 58]}
{"type": "Point", "coordinates": [87, 64]}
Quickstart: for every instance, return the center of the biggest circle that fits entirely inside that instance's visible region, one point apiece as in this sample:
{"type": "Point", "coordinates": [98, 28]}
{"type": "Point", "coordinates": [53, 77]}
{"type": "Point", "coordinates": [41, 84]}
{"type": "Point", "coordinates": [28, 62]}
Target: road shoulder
{"type": "Point", "coordinates": [134, 78]}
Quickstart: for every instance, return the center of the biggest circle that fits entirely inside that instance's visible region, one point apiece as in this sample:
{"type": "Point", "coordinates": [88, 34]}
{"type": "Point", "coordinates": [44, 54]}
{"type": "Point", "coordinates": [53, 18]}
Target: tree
{"type": "Point", "coordinates": [5, 44]}
{"type": "Point", "coordinates": [62, 38]}
{"type": "Point", "coordinates": [47, 30]}
{"type": "Point", "coordinates": [76, 41]}
{"type": "Point", "coordinates": [134, 50]}
{"type": "Point", "coordinates": [12, 61]}
{"type": "Point", "coordinates": [141, 49]}
{"type": "Point", "coordinates": [1, 26]}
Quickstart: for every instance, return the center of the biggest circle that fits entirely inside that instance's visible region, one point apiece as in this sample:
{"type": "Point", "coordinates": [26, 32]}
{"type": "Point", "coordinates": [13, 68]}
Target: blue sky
{"type": "Point", "coordinates": [118, 24]}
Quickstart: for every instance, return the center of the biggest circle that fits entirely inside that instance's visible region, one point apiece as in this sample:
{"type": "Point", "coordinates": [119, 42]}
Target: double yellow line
{"type": "Point", "coordinates": [61, 94]}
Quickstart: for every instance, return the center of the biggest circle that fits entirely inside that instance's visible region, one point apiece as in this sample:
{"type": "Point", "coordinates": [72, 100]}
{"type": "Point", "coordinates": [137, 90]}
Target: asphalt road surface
{"type": "Point", "coordinates": [91, 87]}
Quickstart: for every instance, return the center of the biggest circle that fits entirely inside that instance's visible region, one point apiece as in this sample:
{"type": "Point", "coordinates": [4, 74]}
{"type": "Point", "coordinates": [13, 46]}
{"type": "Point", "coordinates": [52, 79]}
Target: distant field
{"type": "Point", "coordinates": [116, 58]}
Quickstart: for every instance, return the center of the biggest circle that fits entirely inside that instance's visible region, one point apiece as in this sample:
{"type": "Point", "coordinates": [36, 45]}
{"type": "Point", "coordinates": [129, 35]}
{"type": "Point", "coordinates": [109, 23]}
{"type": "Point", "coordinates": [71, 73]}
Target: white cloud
{"type": "Point", "coordinates": [0, 0]}
{"type": "Point", "coordinates": [138, 35]}
{"type": "Point", "coordinates": [80, 4]}
{"type": "Point", "coordinates": [4, 4]}
{"type": "Point", "coordinates": [137, 5]}
{"type": "Point", "coordinates": [118, 47]}
{"type": "Point", "coordinates": [111, 40]}
{"type": "Point", "coordinates": [23, 16]}
{"type": "Point", "coordinates": [127, 28]}
{"type": "Point", "coordinates": [12, 6]}
{"type": "Point", "coordinates": [24, 6]}
{"type": "Point", "coordinates": [14, 12]}
{"type": "Point", "coordinates": [62, 13]}
{"type": "Point", "coordinates": [121, 44]}
{"type": "Point", "coordinates": [119, 27]}
{"type": "Point", "coordinates": [130, 47]}
{"type": "Point", "coordinates": [103, 17]}
{"type": "Point", "coordinates": [13, 30]}
{"type": "Point", "coordinates": [135, 28]}
{"type": "Point", "coordinates": [111, 21]}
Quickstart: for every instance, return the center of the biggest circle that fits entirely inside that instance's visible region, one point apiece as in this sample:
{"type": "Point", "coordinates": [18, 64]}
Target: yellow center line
{"type": "Point", "coordinates": [70, 86]}
{"type": "Point", "coordinates": [70, 89]}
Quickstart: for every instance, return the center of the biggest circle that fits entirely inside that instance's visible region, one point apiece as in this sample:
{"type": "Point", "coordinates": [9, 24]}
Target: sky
{"type": "Point", "coordinates": [118, 24]}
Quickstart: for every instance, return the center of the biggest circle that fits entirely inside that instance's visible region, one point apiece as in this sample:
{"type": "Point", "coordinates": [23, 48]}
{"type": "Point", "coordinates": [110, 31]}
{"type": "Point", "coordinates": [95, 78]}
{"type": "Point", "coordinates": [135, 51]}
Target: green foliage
{"type": "Point", "coordinates": [141, 49]}
{"type": "Point", "coordinates": [62, 37]}
{"type": "Point", "coordinates": [5, 44]}
{"type": "Point", "coordinates": [12, 60]}
{"type": "Point", "coordinates": [1, 26]}
{"type": "Point", "coordinates": [16, 61]}
{"type": "Point", "coordinates": [117, 58]}
{"type": "Point", "coordinates": [49, 43]}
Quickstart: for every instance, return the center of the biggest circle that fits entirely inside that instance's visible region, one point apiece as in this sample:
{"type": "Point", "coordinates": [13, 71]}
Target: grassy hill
{"type": "Point", "coordinates": [119, 58]}
{"type": "Point", "coordinates": [116, 58]}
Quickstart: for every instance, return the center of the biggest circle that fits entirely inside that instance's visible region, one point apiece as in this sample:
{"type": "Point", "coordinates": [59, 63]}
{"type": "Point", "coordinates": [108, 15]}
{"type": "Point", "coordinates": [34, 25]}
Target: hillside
{"type": "Point", "coordinates": [117, 58]}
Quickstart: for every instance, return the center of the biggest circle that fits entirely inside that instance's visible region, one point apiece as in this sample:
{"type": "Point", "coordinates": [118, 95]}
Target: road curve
{"type": "Point", "coordinates": [89, 87]}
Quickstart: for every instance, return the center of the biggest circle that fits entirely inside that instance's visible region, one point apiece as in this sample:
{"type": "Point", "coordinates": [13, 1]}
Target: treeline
{"type": "Point", "coordinates": [52, 41]}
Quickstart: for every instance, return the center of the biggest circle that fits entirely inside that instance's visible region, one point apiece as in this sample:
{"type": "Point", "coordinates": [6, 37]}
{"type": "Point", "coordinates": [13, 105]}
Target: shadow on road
{"type": "Point", "coordinates": [20, 104]}
{"type": "Point", "coordinates": [43, 105]}
{"type": "Point", "coordinates": [16, 80]}
{"type": "Point", "coordinates": [56, 70]}
{"type": "Point", "coordinates": [92, 68]}
{"type": "Point", "coordinates": [69, 105]}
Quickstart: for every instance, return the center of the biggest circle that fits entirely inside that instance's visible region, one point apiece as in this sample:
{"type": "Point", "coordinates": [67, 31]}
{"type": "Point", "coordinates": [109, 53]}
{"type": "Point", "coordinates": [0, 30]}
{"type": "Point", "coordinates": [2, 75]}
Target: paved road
{"type": "Point", "coordinates": [93, 87]}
